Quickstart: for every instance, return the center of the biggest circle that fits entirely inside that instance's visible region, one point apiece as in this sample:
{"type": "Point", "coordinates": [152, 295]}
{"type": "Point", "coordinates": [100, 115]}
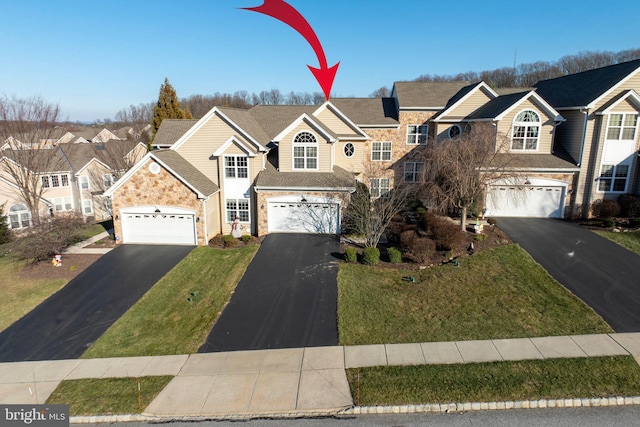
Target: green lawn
{"type": "Point", "coordinates": [108, 396]}
{"type": "Point", "coordinates": [176, 315]}
{"type": "Point", "coordinates": [498, 293]}
{"type": "Point", "coordinates": [19, 295]}
{"type": "Point", "coordinates": [629, 240]}
{"type": "Point", "coordinates": [498, 381]}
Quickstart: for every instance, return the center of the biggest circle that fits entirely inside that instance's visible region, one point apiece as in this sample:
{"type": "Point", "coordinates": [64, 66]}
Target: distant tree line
{"type": "Point", "coordinates": [522, 75]}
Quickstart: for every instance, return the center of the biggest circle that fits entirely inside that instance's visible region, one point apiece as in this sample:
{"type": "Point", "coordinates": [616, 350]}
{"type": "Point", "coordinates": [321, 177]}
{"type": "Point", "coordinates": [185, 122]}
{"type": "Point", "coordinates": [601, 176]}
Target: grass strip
{"type": "Point", "coordinates": [177, 313]}
{"type": "Point", "coordinates": [498, 381]}
{"type": "Point", "coordinates": [629, 240]}
{"type": "Point", "coordinates": [20, 295]}
{"type": "Point", "coordinates": [108, 396]}
{"type": "Point", "coordinates": [498, 293]}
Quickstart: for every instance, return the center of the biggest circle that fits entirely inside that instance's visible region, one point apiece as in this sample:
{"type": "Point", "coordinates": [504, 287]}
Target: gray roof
{"type": "Point", "coordinates": [427, 95]}
{"type": "Point", "coordinates": [247, 123]}
{"type": "Point", "coordinates": [368, 111]}
{"type": "Point", "coordinates": [581, 89]}
{"type": "Point", "coordinates": [558, 160]}
{"type": "Point", "coordinates": [171, 130]}
{"type": "Point", "coordinates": [187, 171]}
{"type": "Point", "coordinates": [510, 90]}
{"type": "Point", "coordinates": [81, 154]}
{"type": "Point", "coordinates": [272, 178]}
{"type": "Point", "coordinates": [38, 160]}
{"type": "Point", "coordinates": [273, 119]}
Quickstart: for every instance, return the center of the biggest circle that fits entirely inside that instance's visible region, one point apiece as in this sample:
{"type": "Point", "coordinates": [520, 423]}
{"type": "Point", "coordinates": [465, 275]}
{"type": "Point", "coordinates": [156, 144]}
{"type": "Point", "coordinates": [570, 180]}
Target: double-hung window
{"type": "Point", "coordinates": [236, 167]}
{"type": "Point", "coordinates": [87, 206]}
{"type": "Point", "coordinates": [413, 171]}
{"type": "Point", "coordinates": [613, 178]}
{"type": "Point", "coordinates": [19, 217]}
{"type": "Point", "coordinates": [55, 181]}
{"type": "Point", "coordinates": [238, 208]}
{"type": "Point", "coordinates": [417, 134]}
{"type": "Point", "coordinates": [45, 181]}
{"type": "Point", "coordinates": [107, 180]}
{"type": "Point", "coordinates": [305, 151]}
{"type": "Point", "coordinates": [526, 131]}
{"type": "Point", "coordinates": [622, 127]}
{"type": "Point", "coordinates": [62, 204]}
{"type": "Point", "coordinates": [380, 187]}
{"type": "Point", "coordinates": [381, 151]}
{"type": "Point", "coordinates": [84, 182]}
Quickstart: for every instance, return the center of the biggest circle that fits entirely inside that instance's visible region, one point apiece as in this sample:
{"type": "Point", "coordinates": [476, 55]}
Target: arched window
{"type": "Point", "coordinates": [19, 217]}
{"type": "Point", "coordinates": [305, 151]}
{"type": "Point", "coordinates": [526, 131]}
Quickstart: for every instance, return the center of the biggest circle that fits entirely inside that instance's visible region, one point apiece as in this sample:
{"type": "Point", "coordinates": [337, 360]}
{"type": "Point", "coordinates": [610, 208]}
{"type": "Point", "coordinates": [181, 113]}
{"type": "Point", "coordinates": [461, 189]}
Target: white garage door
{"type": "Point", "coordinates": [304, 217]}
{"type": "Point", "coordinates": [173, 226]}
{"type": "Point", "coordinates": [526, 201]}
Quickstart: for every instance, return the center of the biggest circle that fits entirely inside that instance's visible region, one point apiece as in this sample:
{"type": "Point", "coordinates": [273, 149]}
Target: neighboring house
{"type": "Point", "coordinates": [292, 168]}
{"type": "Point", "coordinates": [601, 109]}
{"type": "Point", "coordinates": [72, 178]}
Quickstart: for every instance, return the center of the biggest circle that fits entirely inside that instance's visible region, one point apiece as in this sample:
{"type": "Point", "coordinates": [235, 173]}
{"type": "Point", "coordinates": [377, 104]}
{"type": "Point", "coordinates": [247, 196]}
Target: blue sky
{"type": "Point", "coordinates": [95, 58]}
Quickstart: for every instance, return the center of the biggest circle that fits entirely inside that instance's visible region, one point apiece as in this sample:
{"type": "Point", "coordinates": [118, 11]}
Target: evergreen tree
{"type": "Point", "coordinates": [4, 227]}
{"type": "Point", "coordinates": [168, 106]}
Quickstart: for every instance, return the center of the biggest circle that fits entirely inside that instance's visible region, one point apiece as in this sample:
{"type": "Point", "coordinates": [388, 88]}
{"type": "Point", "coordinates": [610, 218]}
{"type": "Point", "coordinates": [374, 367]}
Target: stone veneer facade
{"type": "Point", "coordinates": [163, 189]}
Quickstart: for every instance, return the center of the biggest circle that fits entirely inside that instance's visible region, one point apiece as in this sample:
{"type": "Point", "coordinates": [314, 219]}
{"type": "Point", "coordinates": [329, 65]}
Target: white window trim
{"type": "Point", "coordinates": [414, 171]}
{"type": "Point", "coordinates": [526, 125]}
{"type": "Point", "coordinates": [418, 134]}
{"type": "Point", "coordinates": [63, 203]}
{"type": "Point", "coordinates": [111, 179]}
{"type": "Point", "coordinates": [344, 148]}
{"type": "Point", "coordinates": [305, 145]}
{"type": "Point", "coordinates": [382, 151]}
{"type": "Point", "coordinates": [90, 206]}
{"type": "Point", "coordinates": [19, 216]}
{"type": "Point", "coordinates": [380, 187]}
{"type": "Point", "coordinates": [459, 131]}
{"type": "Point", "coordinates": [613, 178]}
{"type": "Point", "coordinates": [235, 167]}
{"type": "Point", "coordinates": [623, 114]}
{"type": "Point", "coordinates": [86, 179]}
{"type": "Point", "coordinates": [237, 200]}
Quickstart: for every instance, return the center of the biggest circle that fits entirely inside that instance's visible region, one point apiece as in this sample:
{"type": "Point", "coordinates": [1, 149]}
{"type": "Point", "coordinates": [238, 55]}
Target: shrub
{"type": "Point", "coordinates": [50, 238]}
{"type": "Point", "coordinates": [370, 255]}
{"type": "Point", "coordinates": [395, 255]}
{"type": "Point", "coordinates": [609, 222]}
{"type": "Point", "coordinates": [5, 234]}
{"type": "Point", "coordinates": [407, 240]}
{"type": "Point", "coordinates": [422, 211]}
{"type": "Point", "coordinates": [422, 250]}
{"type": "Point", "coordinates": [634, 222]}
{"type": "Point", "coordinates": [246, 237]}
{"type": "Point", "coordinates": [492, 221]}
{"type": "Point", "coordinates": [629, 205]}
{"type": "Point", "coordinates": [480, 237]}
{"type": "Point", "coordinates": [605, 208]}
{"type": "Point", "coordinates": [351, 255]}
{"type": "Point", "coordinates": [446, 234]}
{"type": "Point", "coordinates": [229, 241]}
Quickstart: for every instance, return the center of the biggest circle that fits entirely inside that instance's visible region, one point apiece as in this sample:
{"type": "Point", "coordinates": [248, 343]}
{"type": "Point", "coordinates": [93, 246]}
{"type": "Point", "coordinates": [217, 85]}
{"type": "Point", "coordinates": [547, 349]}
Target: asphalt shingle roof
{"type": "Point", "coordinates": [81, 154]}
{"type": "Point", "coordinates": [272, 178]}
{"type": "Point", "coordinates": [581, 89]}
{"type": "Point", "coordinates": [187, 171]}
{"type": "Point", "coordinates": [429, 95]}
{"type": "Point", "coordinates": [368, 111]}
{"type": "Point", "coordinates": [171, 130]}
{"type": "Point", "coordinates": [496, 106]}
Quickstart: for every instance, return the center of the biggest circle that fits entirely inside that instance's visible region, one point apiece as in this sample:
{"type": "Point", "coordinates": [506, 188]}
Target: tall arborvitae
{"type": "Point", "coordinates": [168, 106]}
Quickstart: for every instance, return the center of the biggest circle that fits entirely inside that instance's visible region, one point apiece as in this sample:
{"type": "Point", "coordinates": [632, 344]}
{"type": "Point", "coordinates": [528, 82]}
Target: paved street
{"type": "Point", "coordinates": [64, 325]}
{"type": "Point", "coordinates": [603, 274]}
{"type": "Point", "coordinates": [286, 299]}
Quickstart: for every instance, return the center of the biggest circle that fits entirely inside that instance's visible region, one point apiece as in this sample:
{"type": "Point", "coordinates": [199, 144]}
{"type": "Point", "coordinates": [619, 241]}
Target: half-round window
{"type": "Point", "coordinates": [455, 131]}
{"type": "Point", "coordinates": [19, 216]}
{"type": "Point", "coordinates": [526, 131]}
{"type": "Point", "coordinates": [349, 149]}
{"type": "Point", "coordinates": [304, 138]}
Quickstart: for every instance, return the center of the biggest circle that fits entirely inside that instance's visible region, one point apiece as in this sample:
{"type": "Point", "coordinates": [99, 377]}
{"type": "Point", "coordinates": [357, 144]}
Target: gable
{"type": "Point", "coordinates": [338, 122]}
{"type": "Point", "coordinates": [471, 102]}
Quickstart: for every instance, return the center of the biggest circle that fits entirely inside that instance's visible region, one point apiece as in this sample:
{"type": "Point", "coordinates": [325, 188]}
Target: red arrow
{"type": "Point", "coordinates": [283, 11]}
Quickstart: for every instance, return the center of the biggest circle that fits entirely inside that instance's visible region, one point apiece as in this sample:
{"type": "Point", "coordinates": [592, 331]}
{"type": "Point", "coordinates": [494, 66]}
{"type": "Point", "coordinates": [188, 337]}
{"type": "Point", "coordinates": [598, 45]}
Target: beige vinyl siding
{"type": "Point", "coordinates": [212, 206]}
{"type": "Point", "coordinates": [545, 140]}
{"type": "Point", "coordinates": [471, 104]}
{"type": "Point", "coordinates": [335, 123]}
{"type": "Point", "coordinates": [285, 150]}
{"type": "Point", "coordinates": [354, 163]}
{"type": "Point", "coordinates": [569, 133]}
{"type": "Point", "coordinates": [625, 107]}
{"type": "Point", "coordinates": [198, 149]}
{"type": "Point", "coordinates": [442, 129]}
{"type": "Point", "coordinates": [631, 83]}
{"type": "Point", "coordinates": [590, 169]}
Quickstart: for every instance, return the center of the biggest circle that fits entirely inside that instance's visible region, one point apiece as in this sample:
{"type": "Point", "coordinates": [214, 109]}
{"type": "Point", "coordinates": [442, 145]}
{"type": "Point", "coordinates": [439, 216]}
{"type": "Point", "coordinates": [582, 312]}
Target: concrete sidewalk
{"type": "Point", "coordinates": [289, 381]}
{"type": "Point", "coordinates": [79, 248]}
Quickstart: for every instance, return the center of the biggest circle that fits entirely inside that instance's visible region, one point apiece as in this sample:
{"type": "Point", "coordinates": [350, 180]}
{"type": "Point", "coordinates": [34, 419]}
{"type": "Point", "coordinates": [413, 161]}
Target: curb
{"type": "Point", "coordinates": [490, 406]}
{"type": "Point", "coordinates": [379, 410]}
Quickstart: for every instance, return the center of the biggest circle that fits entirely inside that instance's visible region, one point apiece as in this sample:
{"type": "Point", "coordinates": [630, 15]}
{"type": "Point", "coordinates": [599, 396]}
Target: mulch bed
{"type": "Point", "coordinates": [72, 265]}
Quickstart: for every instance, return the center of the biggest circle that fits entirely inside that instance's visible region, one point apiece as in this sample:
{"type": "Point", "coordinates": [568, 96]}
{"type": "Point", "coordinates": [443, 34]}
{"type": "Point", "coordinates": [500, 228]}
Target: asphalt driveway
{"type": "Point", "coordinates": [286, 299]}
{"type": "Point", "coordinates": [64, 325]}
{"type": "Point", "coordinates": [601, 273]}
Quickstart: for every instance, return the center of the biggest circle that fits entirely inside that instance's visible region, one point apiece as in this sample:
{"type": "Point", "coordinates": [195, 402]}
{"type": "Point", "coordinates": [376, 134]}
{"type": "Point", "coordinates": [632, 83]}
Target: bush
{"type": "Point", "coordinates": [407, 240]}
{"type": "Point", "coordinates": [370, 255]}
{"type": "Point", "coordinates": [609, 222]}
{"type": "Point", "coordinates": [422, 211]}
{"type": "Point", "coordinates": [629, 205]}
{"type": "Point", "coordinates": [395, 255]}
{"type": "Point", "coordinates": [422, 250]}
{"type": "Point", "coordinates": [605, 208]}
{"type": "Point", "coordinates": [246, 237]}
{"type": "Point", "coordinates": [351, 255]}
{"type": "Point", "coordinates": [230, 241]}
{"type": "Point", "coordinates": [5, 234]}
{"type": "Point", "coordinates": [446, 234]}
{"type": "Point", "coordinates": [492, 221]}
{"type": "Point", "coordinates": [634, 222]}
{"type": "Point", "coordinates": [480, 237]}
{"type": "Point", "coordinates": [50, 238]}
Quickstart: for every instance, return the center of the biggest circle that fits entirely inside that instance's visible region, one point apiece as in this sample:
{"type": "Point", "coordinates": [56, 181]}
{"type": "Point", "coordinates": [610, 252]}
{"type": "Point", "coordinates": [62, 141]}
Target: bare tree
{"type": "Point", "coordinates": [25, 125]}
{"type": "Point", "coordinates": [458, 171]}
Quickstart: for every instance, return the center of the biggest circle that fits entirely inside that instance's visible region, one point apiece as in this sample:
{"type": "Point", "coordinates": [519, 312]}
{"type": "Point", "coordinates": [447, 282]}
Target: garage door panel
{"type": "Point", "coordinates": [526, 201]}
{"type": "Point", "coordinates": [176, 229]}
{"type": "Point", "coordinates": [321, 218]}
